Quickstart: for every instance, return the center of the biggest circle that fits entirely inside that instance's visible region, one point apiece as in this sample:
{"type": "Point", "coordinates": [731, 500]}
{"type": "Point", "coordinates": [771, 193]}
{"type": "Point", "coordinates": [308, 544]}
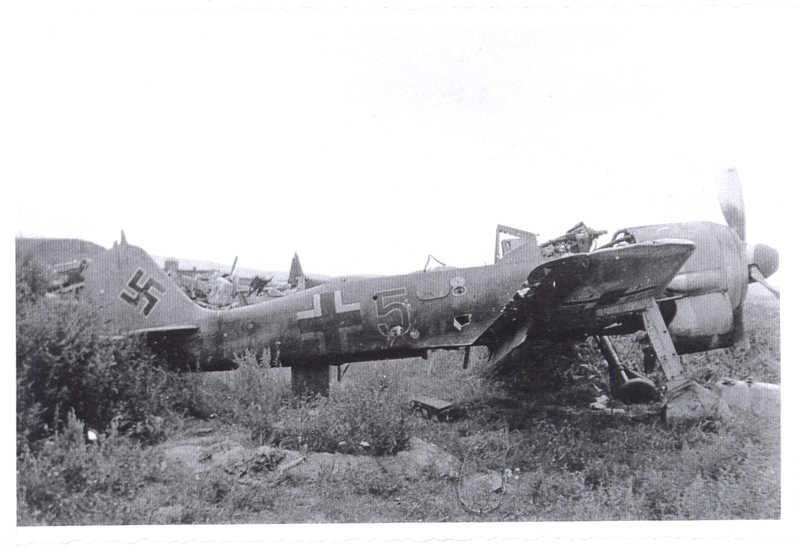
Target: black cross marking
{"type": "Point", "coordinates": [329, 321]}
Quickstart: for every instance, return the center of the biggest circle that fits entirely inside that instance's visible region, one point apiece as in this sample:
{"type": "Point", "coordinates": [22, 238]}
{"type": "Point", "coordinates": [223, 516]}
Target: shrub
{"type": "Point", "coordinates": [68, 482]}
{"type": "Point", "coordinates": [560, 373]}
{"type": "Point", "coordinates": [64, 364]}
{"type": "Point", "coordinates": [31, 280]}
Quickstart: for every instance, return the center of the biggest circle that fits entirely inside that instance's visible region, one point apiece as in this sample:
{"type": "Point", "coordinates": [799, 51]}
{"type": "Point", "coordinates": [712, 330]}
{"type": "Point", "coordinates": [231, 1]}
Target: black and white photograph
{"type": "Point", "coordinates": [432, 273]}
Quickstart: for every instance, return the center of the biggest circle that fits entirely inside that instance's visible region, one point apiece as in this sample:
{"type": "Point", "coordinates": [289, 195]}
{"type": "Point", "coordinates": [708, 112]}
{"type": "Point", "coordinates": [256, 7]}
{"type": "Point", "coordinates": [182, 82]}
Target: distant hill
{"type": "Point", "coordinates": [49, 252]}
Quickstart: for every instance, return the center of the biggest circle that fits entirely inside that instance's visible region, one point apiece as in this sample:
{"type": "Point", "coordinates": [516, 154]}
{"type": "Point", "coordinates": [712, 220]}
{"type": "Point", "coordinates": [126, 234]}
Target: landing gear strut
{"type": "Point", "coordinates": [686, 399]}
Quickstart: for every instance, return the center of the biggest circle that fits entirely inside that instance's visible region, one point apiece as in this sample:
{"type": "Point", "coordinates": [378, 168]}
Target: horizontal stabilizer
{"type": "Point", "coordinates": [167, 330]}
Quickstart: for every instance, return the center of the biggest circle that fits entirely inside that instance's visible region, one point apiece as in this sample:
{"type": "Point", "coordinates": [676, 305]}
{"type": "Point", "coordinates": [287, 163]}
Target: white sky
{"type": "Point", "coordinates": [367, 139]}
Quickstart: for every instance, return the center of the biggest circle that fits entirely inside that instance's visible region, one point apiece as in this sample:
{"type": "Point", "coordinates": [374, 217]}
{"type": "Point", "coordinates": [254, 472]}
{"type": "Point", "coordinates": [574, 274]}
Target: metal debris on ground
{"type": "Point", "coordinates": [434, 408]}
{"type": "Point", "coordinates": [600, 403]}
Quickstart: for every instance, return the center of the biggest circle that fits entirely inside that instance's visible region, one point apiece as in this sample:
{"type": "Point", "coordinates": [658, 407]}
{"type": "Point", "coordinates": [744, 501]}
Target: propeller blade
{"type": "Point", "coordinates": [729, 193]}
{"type": "Point", "coordinates": [756, 274]}
{"type": "Point", "coordinates": [235, 260]}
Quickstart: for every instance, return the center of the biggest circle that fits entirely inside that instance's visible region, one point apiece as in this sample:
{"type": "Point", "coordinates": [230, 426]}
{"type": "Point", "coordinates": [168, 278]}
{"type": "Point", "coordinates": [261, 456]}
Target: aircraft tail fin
{"type": "Point", "coordinates": [134, 294]}
{"type": "Point", "coordinates": [296, 275]}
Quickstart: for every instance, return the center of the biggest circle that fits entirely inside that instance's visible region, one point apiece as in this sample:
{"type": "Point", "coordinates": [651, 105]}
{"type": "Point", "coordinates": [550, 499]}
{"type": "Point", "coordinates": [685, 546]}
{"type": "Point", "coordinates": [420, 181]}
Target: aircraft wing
{"type": "Point", "coordinates": [586, 293]}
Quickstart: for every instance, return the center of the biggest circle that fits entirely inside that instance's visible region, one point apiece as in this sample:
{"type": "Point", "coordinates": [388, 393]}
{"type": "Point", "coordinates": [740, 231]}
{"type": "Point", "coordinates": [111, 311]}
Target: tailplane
{"type": "Point", "coordinates": [134, 294]}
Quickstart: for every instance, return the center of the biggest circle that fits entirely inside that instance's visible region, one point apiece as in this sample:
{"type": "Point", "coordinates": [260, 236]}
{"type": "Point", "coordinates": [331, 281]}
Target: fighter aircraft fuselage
{"type": "Point", "coordinates": [354, 319]}
{"type": "Point", "coordinates": [358, 319]}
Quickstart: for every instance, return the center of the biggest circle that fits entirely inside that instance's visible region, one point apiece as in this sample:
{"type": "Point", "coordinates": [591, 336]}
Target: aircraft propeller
{"type": "Point", "coordinates": [731, 201]}
{"type": "Point", "coordinates": [762, 260]}
{"type": "Point", "coordinates": [229, 275]}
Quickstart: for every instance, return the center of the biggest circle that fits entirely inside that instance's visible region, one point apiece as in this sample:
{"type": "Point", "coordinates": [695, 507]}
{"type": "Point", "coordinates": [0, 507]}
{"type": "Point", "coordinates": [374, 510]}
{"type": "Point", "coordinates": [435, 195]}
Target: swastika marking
{"type": "Point", "coordinates": [142, 290]}
{"type": "Point", "coordinates": [329, 321]}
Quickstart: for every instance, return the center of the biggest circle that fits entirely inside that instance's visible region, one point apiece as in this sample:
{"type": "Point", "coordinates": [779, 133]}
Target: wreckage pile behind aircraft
{"type": "Point", "coordinates": [217, 290]}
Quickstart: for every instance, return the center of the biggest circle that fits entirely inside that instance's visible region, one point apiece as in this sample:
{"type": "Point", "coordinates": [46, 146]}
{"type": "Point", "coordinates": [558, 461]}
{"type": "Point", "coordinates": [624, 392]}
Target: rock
{"type": "Point", "coordinates": [484, 483]}
{"type": "Point", "coordinates": [481, 493]}
{"type": "Point", "coordinates": [692, 402]}
{"type": "Point", "coordinates": [422, 459]}
{"type": "Point", "coordinates": [264, 459]}
{"type": "Point", "coordinates": [184, 454]}
{"type": "Point", "coordinates": [330, 466]}
{"type": "Point", "coordinates": [229, 456]}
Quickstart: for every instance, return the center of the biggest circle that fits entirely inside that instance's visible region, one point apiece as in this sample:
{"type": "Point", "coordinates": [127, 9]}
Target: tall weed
{"type": "Point", "coordinates": [69, 482]}
{"type": "Point", "coordinates": [365, 415]}
{"type": "Point", "coordinates": [259, 399]}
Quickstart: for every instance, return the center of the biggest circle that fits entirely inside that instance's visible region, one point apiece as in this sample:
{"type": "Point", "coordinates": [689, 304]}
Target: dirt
{"type": "Point", "coordinates": [203, 449]}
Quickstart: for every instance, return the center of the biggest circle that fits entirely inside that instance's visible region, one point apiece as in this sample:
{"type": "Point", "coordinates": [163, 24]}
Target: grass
{"type": "Point", "coordinates": [561, 461]}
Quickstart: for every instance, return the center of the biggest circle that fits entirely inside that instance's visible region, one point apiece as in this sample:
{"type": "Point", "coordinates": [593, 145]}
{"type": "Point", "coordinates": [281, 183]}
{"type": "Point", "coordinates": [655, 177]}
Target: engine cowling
{"type": "Point", "coordinates": [710, 289]}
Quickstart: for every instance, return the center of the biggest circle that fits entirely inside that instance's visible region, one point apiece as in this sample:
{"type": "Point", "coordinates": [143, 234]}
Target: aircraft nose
{"type": "Point", "coordinates": [764, 257]}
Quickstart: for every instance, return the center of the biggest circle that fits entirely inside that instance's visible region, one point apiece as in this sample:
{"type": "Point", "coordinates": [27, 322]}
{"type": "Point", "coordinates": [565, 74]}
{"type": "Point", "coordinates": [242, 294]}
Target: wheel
{"type": "Point", "coordinates": [637, 390]}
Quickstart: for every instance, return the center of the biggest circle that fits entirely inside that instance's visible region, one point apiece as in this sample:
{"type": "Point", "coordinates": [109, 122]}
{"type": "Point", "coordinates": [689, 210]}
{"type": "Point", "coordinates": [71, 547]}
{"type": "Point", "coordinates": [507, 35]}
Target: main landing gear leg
{"type": "Point", "coordinates": [626, 385]}
{"type": "Point", "coordinates": [686, 399]}
{"type": "Point", "coordinates": [310, 380]}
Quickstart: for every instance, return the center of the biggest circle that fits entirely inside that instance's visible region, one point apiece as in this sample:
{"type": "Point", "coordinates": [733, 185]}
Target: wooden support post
{"type": "Point", "coordinates": [311, 380]}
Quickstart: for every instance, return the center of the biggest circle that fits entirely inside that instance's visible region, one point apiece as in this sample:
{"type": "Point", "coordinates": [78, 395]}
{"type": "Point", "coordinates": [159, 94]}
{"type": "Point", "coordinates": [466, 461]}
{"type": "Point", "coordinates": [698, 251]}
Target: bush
{"type": "Point", "coordinates": [32, 282]}
{"type": "Point", "coordinates": [68, 482]}
{"type": "Point", "coordinates": [557, 373]}
{"type": "Point", "coordinates": [64, 364]}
